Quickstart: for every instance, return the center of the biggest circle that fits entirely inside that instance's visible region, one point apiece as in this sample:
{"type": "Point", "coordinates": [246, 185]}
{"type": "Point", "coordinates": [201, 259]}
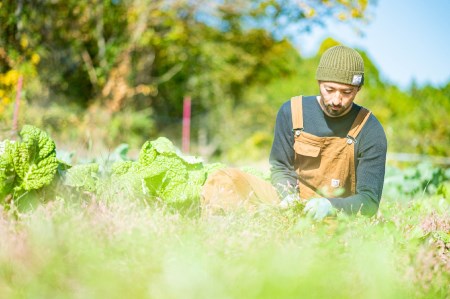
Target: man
{"type": "Point", "coordinates": [326, 148]}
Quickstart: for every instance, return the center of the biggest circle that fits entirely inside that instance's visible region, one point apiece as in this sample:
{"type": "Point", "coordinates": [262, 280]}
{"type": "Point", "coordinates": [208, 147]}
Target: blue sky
{"type": "Point", "coordinates": [406, 39]}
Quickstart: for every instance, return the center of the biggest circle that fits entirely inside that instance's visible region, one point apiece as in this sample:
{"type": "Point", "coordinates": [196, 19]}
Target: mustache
{"type": "Point", "coordinates": [335, 106]}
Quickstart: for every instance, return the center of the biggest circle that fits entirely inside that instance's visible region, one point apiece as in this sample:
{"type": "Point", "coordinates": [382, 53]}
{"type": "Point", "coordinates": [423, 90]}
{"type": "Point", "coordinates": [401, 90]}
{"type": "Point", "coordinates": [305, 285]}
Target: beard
{"type": "Point", "coordinates": [332, 110]}
{"type": "Point", "coordinates": [335, 110]}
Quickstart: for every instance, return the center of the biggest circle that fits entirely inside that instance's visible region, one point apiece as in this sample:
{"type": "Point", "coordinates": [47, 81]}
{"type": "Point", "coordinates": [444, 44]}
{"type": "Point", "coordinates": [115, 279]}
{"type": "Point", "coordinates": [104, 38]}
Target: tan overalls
{"type": "Point", "coordinates": [325, 167]}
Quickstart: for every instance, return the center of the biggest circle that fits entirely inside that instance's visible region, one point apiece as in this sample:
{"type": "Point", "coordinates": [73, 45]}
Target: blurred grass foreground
{"type": "Point", "coordinates": [128, 249]}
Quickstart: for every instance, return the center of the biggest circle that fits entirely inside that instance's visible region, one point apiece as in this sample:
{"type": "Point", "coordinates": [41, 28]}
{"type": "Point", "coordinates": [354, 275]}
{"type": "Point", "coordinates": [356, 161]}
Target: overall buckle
{"type": "Point", "coordinates": [351, 140]}
{"type": "Point", "coordinates": [297, 131]}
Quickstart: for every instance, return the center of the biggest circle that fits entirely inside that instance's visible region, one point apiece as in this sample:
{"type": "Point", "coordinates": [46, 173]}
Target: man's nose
{"type": "Point", "coordinates": [336, 101]}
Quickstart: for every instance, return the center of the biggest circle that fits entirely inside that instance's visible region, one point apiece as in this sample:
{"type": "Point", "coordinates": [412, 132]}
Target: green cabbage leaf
{"type": "Point", "coordinates": [29, 164]}
{"type": "Point", "coordinates": [162, 172]}
{"type": "Point", "coordinates": [35, 161]}
{"type": "Point", "coordinates": [84, 177]}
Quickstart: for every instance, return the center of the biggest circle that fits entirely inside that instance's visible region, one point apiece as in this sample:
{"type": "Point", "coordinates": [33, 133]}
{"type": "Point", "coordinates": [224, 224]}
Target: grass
{"type": "Point", "coordinates": [127, 249]}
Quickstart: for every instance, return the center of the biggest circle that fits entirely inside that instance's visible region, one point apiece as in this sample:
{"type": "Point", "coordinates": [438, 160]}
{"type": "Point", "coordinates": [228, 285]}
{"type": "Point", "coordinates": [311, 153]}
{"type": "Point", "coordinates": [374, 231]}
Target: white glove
{"type": "Point", "coordinates": [289, 201]}
{"type": "Point", "coordinates": [319, 208]}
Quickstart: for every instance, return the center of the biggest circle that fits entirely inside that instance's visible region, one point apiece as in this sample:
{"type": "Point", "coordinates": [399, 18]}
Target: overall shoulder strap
{"type": "Point", "coordinates": [297, 113]}
{"type": "Point", "coordinates": [358, 124]}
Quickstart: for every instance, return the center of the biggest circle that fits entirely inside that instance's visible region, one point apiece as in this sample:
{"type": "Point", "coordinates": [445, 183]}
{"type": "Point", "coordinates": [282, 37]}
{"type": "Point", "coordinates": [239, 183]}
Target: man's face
{"type": "Point", "coordinates": [336, 99]}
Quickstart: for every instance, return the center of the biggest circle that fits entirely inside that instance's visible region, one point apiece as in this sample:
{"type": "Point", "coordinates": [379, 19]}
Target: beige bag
{"type": "Point", "coordinates": [231, 189]}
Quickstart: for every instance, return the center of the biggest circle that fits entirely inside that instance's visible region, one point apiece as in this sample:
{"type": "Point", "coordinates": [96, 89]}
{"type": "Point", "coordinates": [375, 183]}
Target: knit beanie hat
{"type": "Point", "coordinates": [341, 64]}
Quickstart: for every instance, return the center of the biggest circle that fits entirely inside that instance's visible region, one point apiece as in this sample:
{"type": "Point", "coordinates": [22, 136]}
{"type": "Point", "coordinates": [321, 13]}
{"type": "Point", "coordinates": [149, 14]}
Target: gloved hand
{"type": "Point", "coordinates": [319, 208]}
{"type": "Point", "coordinates": [289, 201]}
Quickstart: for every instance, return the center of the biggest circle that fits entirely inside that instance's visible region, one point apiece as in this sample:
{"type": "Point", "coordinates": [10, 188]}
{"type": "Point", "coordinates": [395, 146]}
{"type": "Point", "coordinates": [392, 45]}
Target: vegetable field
{"type": "Point", "coordinates": [119, 227]}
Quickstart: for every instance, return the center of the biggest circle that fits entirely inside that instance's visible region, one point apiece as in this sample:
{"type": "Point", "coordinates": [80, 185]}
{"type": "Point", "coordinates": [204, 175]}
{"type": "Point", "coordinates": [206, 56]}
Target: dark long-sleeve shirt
{"type": "Point", "coordinates": [370, 153]}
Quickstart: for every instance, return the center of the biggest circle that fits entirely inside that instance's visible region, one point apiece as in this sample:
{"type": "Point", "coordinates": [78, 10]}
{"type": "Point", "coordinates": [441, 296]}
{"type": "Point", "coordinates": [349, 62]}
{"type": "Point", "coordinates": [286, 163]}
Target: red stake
{"type": "Point", "coordinates": [186, 124]}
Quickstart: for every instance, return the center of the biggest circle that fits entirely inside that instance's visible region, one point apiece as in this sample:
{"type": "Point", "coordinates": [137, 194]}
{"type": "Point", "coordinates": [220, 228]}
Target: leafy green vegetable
{"type": "Point", "coordinates": [84, 176]}
{"type": "Point", "coordinates": [34, 159]}
{"type": "Point", "coordinates": [122, 167]}
{"type": "Point", "coordinates": [29, 164]}
{"type": "Point", "coordinates": [7, 174]}
{"type": "Point", "coordinates": [161, 171]}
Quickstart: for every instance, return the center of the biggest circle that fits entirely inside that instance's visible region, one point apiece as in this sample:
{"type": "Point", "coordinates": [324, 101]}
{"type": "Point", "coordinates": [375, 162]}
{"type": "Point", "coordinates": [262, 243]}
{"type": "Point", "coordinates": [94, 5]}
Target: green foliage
{"type": "Point", "coordinates": [7, 174]}
{"type": "Point", "coordinates": [420, 180]}
{"type": "Point", "coordinates": [131, 63]}
{"type": "Point", "coordinates": [414, 120]}
{"type": "Point", "coordinates": [161, 172]}
{"type": "Point", "coordinates": [29, 164]}
{"type": "Point", "coordinates": [124, 248]}
{"type": "Point", "coordinates": [34, 159]}
{"type": "Point", "coordinates": [83, 176]}
{"type": "Point", "coordinates": [136, 248]}
{"type": "Point", "coordinates": [142, 53]}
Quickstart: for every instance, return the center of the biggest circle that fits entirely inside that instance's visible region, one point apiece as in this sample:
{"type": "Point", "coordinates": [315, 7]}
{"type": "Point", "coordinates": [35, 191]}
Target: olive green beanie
{"type": "Point", "coordinates": [341, 64]}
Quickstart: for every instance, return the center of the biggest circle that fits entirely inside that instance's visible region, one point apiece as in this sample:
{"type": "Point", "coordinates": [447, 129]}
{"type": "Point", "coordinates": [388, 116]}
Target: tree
{"type": "Point", "coordinates": [94, 43]}
{"type": "Point", "coordinates": [109, 54]}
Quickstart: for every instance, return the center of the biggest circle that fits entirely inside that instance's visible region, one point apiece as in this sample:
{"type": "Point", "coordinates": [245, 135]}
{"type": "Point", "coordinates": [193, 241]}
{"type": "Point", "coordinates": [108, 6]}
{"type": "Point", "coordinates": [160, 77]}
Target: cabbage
{"type": "Point", "coordinates": [26, 165]}
{"type": "Point", "coordinates": [7, 174]}
{"type": "Point", "coordinates": [162, 172]}
{"type": "Point", "coordinates": [83, 176]}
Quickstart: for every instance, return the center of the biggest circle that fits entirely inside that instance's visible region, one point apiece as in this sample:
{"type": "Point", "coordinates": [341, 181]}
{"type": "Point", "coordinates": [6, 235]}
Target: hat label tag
{"type": "Point", "coordinates": [357, 79]}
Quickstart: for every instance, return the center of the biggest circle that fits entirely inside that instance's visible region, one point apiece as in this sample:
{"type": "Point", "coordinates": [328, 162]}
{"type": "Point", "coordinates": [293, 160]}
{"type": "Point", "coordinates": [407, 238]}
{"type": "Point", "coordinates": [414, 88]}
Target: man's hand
{"type": "Point", "coordinates": [319, 208]}
{"type": "Point", "coordinates": [289, 201]}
